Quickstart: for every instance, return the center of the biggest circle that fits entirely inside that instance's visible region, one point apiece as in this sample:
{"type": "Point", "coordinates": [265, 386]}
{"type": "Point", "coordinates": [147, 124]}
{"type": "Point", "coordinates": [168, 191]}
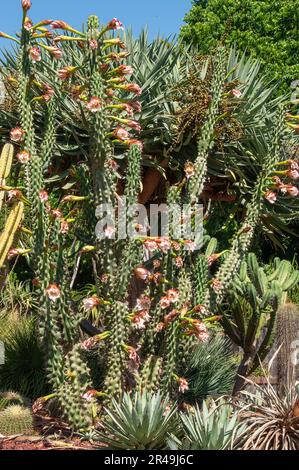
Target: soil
{"type": "Point", "coordinates": [41, 443]}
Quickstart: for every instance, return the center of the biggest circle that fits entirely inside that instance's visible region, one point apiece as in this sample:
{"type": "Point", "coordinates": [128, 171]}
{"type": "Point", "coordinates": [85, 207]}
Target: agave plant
{"type": "Point", "coordinates": [272, 420]}
{"type": "Point", "coordinates": [214, 427]}
{"type": "Point", "coordinates": [139, 422]}
{"type": "Point", "coordinates": [211, 370]}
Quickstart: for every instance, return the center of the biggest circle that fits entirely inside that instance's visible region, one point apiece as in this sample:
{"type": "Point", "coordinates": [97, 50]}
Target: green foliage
{"type": "Point", "coordinates": [16, 419]}
{"type": "Point", "coordinates": [250, 312]}
{"type": "Point", "coordinates": [23, 370]}
{"type": "Point", "coordinates": [211, 370]}
{"type": "Point", "coordinates": [287, 333]}
{"type": "Point", "coordinates": [139, 422]}
{"type": "Point", "coordinates": [214, 427]}
{"type": "Point", "coordinates": [267, 29]}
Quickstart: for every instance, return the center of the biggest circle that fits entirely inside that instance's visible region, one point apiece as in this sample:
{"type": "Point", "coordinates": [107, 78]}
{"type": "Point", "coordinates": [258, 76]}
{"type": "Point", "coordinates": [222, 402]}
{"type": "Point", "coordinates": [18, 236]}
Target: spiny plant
{"type": "Point", "coordinates": [216, 426]}
{"type": "Point", "coordinates": [272, 420]}
{"type": "Point", "coordinates": [287, 338]}
{"type": "Point", "coordinates": [250, 312]}
{"type": "Point", "coordinates": [10, 398]}
{"type": "Point", "coordinates": [16, 419]}
{"type": "Point", "coordinates": [140, 422]}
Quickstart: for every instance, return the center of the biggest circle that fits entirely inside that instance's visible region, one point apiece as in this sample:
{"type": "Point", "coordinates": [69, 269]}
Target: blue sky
{"type": "Point", "coordinates": [161, 16]}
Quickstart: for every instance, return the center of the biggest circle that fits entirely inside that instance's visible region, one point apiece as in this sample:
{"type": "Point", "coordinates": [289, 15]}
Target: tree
{"type": "Point", "coordinates": [268, 29]}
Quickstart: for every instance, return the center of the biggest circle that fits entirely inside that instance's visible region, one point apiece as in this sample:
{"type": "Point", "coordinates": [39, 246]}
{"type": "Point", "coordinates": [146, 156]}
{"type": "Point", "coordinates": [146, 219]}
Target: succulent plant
{"type": "Point", "coordinates": [16, 419]}
{"type": "Point", "coordinates": [10, 398]}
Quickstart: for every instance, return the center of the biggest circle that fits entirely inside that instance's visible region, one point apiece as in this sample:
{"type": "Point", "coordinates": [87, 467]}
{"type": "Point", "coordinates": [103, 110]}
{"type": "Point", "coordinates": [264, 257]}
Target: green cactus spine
{"type": "Point", "coordinates": [287, 334]}
{"type": "Point", "coordinates": [16, 419]}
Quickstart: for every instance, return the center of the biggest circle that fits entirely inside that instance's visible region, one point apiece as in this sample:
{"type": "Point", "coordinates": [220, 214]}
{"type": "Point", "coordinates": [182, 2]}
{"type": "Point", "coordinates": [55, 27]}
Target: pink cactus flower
{"type": "Point", "coordinates": [90, 302]}
{"type": "Point", "coordinates": [142, 273]}
{"type": "Point", "coordinates": [172, 295]}
{"type": "Point", "coordinates": [57, 214]}
{"type": "Point", "coordinates": [150, 245]}
{"type": "Point", "coordinates": [94, 105]}
{"type": "Point", "coordinates": [179, 262]}
{"type": "Point", "coordinates": [133, 124]}
{"type": "Point", "coordinates": [114, 24]}
{"type": "Point", "coordinates": [136, 105]}
{"type": "Point", "coordinates": [104, 278]}
{"type": "Point", "coordinates": [294, 174]}
{"type": "Point", "coordinates": [124, 70]}
{"type": "Point", "coordinates": [189, 169]}
{"type": "Point", "coordinates": [164, 245]}
{"type": "Point", "coordinates": [109, 232]}
{"type": "Point", "coordinates": [28, 24]}
{"type": "Point", "coordinates": [35, 54]}
{"type": "Point", "coordinates": [270, 196]}
{"type": "Point", "coordinates": [66, 72]}
{"type": "Point", "coordinates": [159, 327]}
{"type": "Point", "coordinates": [189, 245]}
{"type": "Point", "coordinates": [112, 164]}
{"type": "Point", "coordinates": [23, 156]}
{"type": "Point", "coordinates": [121, 133]}
{"type": "Point", "coordinates": [17, 134]}
{"type": "Point", "coordinates": [26, 4]}
{"type": "Point", "coordinates": [157, 263]}
{"type": "Point", "coordinates": [133, 88]}
{"type": "Point", "coordinates": [64, 227]}
{"type": "Point", "coordinates": [236, 93]}
{"type": "Point", "coordinates": [165, 302]}
{"type": "Point", "coordinates": [53, 292]}
{"type": "Point", "coordinates": [216, 285]}
{"type": "Point", "coordinates": [137, 142]}
{"type": "Point", "coordinates": [59, 24]}
{"type": "Point", "coordinates": [43, 195]}
{"type": "Point", "coordinates": [143, 303]}
{"type": "Point", "coordinates": [89, 395]}
{"type": "Point", "coordinates": [14, 193]}
{"type": "Point", "coordinates": [56, 52]}
{"type": "Point", "coordinates": [183, 384]}
{"type": "Point", "coordinates": [93, 44]}
{"type": "Point", "coordinates": [292, 190]}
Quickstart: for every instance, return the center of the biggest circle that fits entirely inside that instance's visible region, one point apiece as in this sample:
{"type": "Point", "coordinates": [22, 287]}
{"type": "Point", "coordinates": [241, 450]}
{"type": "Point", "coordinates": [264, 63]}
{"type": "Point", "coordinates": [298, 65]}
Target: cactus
{"type": "Point", "coordinates": [5, 167]}
{"type": "Point", "coordinates": [10, 398]}
{"type": "Point", "coordinates": [16, 419]}
{"type": "Point", "coordinates": [287, 333]}
{"type": "Point", "coordinates": [11, 226]}
{"type": "Point", "coordinates": [250, 314]}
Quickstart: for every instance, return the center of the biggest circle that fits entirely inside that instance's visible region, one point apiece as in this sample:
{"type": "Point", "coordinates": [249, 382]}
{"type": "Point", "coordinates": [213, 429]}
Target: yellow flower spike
{"type": "Point", "coordinates": [70, 374]}
{"type": "Point", "coordinates": [26, 230]}
{"type": "Point", "coordinates": [71, 198]}
{"type": "Point", "coordinates": [88, 249]}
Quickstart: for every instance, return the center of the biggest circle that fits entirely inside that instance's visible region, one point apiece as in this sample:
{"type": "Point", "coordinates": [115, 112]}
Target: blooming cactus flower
{"type": "Point", "coordinates": [133, 88]}
{"type": "Point", "coordinates": [43, 195]}
{"type": "Point", "coordinates": [121, 133]}
{"type": "Point", "coordinates": [164, 302]}
{"type": "Point", "coordinates": [236, 93]}
{"type": "Point", "coordinates": [17, 134]}
{"type": "Point", "coordinates": [64, 227]}
{"type": "Point", "coordinates": [53, 292]}
{"type": "Point", "coordinates": [90, 302]}
{"type": "Point", "coordinates": [23, 156]}
{"type": "Point", "coordinates": [179, 262]}
{"type": "Point", "coordinates": [292, 190]}
{"type": "Point", "coordinates": [28, 24]}
{"type": "Point", "coordinates": [94, 104]}
{"type": "Point", "coordinates": [150, 245]}
{"type": "Point", "coordinates": [55, 51]}
{"type": "Point", "coordinates": [142, 273]}
{"type": "Point", "coordinates": [93, 44]}
{"type": "Point", "coordinates": [14, 193]}
{"type": "Point", "coordinates": [183, 384]}
{"type": "Point", "coordinates": [133, 124]}
{"type": "Point", "coordinates": [66, 72]}
{"type": "Point", "coordinates": [143, 303]}
{"type": "Point", "coordinates": [172, 295]}
{"type": "Point", "coordinates": [59, 24]}
{"type": "Point", "coordinates": [137, 142]}
{"type": "Point", "coordinates": [124, 70]}
{"type": "Point", "coordinates": [164, 245]}
{"type": "Point", "coordinates": [189, 170]}
{"type": "Point", "coordinates": [270, 196]}
{"type": "Point", "coordinates": [57, 214]}
{"type": "Point", "coordinates": [294, 174]}
{"type": "Point", "coordinates": [35, 54]}
{"type": "Point", "coordinates": [114, 24]}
